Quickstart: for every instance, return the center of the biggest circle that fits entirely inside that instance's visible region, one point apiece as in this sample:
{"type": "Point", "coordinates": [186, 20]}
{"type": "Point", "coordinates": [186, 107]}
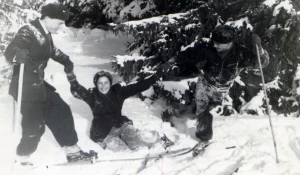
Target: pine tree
{"type": "Point", "coordinates": [162, 41]}
{"type": "Point", "coordinates": [14, 15]}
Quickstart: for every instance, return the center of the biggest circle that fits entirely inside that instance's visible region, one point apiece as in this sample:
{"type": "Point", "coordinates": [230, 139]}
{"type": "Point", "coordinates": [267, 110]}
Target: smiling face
{"type": "Point", "coordinates": [53, 25]}
{"type": "Point", "coordinates": [103, 84]}
{"type": "Point", "coordinates": [222, 47]}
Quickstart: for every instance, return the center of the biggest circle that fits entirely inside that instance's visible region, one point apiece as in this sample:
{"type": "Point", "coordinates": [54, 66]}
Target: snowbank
{"type": "Point", "coordinates": [177, 88]}
{"type": "Point", "coordinates": [171, 17]}
{"type": "Point", "coordinates": [120, 59]}
{"type": "Point", "coordinates": [286, 4]}
{"type": "Point", "coordinates": [240, 23]}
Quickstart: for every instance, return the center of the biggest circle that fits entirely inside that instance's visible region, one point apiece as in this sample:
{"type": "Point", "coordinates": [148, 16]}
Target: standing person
{"type": "Point", "coordinates": [106, 101]}
{"type": "Point", "coordinates": [219, 62]}
{"type": "Point", "coordinates": [41, 105]}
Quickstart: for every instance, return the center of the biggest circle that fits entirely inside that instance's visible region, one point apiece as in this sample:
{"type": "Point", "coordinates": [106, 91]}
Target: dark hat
{"type": "Point", "coordinates": [55, 11]}
{"type": "Point", "coordinates": [102, 74]}
{"type": "Point", "coordinates": [223, 34]}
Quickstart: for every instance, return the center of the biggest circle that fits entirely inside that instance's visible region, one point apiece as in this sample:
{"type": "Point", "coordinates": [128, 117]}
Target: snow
{"type": "Point", "coordinates": [240, 22]}
{"type": "Point", "coordinates": [286, 4]}
{"type": "Point", "coordinates": [51, 1]}
{"type": "Point", "coordinates": [190, 26]}
{"type": "Point", "coordinates": [177, 88]}
{"type": "Point", "coordinates": [171, 17]}
{"type": "Point", "coordinates": [270, 3]}
{"type": "Point", "coordinates": [18, 2]}
{"type": "Point", "coordinates": [242, 144]}
{"type": "Point", "coordinates": [120, 59]}
{"type": "Point", "coordinates": [134, 8]}
{"type": "Point", "coordinates": [188, 46]}
{"type": "Point", "coordinates": [255, 104]}
{"type": "Point", "coordinates": [297, 74]}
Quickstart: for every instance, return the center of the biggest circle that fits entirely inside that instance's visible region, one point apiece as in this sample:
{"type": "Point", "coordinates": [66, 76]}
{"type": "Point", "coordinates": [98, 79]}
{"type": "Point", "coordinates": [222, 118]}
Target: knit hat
{"type": "Point", "coordinates": [102, 74]}
{"type": "Point", "coordinates": [223, 34]}
{"type": "Point", "coordinates": [55, 11]}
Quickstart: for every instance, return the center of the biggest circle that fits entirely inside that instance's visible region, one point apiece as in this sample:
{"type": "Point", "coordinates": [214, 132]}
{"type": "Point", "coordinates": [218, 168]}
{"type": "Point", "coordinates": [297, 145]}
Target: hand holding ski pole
{"type": "Point", "coordinates": [22, 55]}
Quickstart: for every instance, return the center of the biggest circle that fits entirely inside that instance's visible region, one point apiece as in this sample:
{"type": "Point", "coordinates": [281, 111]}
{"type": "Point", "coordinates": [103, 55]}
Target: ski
{"type": "Point", "coordinates": [197, 150]}
{"type": "Point", "coordinates": [172, 153]}
{"type": "Point", "coordinates": [199, 146]}
{"type": "Point", "coordinates": [167, 154]}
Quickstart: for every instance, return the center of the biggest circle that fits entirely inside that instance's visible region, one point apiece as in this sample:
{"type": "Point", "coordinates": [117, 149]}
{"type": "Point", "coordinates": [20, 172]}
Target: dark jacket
{"type": "Point", "coordinates": [217, 70]}
{"type": "Point", "coordinates": [33, 38]}
{"type": "Point", "coordinates": [107, 108]}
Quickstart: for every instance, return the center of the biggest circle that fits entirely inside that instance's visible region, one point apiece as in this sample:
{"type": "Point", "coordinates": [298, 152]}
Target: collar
{"type": "Point", "coordinates": [44, 27]}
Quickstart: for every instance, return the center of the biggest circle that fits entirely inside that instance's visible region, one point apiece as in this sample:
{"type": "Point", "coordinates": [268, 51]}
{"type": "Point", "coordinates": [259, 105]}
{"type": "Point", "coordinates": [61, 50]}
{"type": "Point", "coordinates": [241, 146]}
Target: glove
{"type": "Point", "coordinates": [69, 68]}
{"type": "Point", "coordinates": [256, 41]}
{"type": "Point", "coordinates": [22, 55]}
{"type": "Point", "coordinates": [163, 70]}
{"type": "Point", "coordinates": [71, 77]}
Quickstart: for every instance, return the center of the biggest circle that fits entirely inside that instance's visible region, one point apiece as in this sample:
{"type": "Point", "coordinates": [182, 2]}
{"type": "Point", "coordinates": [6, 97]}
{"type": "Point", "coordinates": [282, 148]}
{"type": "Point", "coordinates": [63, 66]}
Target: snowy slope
{"type": "Point", "coordinates": [90, 51]}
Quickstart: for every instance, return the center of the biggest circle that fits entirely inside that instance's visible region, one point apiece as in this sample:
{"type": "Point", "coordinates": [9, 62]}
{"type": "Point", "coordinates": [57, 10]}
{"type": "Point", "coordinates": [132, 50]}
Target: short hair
{"type": "Point", "coordinates": [102, 74]}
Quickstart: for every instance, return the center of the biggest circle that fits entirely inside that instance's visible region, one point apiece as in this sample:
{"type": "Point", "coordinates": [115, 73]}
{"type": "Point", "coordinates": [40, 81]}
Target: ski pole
{"type": "Point", "coordinates": [17, 114]}
{"type": "Point", "coordinates": [19, 100]}
{"type": "Point", "coordinates": [267, 102]}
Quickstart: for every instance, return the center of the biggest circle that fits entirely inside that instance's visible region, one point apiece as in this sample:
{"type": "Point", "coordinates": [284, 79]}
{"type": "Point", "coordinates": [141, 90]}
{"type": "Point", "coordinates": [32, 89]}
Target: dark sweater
{"type": "Point", "coordinates": [33, 38]}
{"type": "Point", "coordinates": [107, 108]}
{"type": "Point", "coordinates": [217, 70]}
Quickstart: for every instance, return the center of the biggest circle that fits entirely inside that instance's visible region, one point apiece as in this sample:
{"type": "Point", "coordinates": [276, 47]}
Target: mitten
{"type": "Point", "coordinates": [22, 55]}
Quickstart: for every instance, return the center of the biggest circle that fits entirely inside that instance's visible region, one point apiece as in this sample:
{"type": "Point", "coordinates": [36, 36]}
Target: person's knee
{"type": "Point", "coordinates": [149, 136]}
{"type": "Point", "coordinates": [201, 107]}
{"type": "Point", "coordinates": [97, 136]}
{"type": "Point", "coordinates": [128, 130]}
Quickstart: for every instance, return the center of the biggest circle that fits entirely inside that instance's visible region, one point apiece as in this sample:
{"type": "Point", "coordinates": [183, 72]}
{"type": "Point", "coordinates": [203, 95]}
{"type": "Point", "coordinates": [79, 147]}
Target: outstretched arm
{"type": "Point", "coordinates": [134, 88]}
{"type": "Point", "coordinates": [137, 87]}
{"type": "Point", "coordinates": [77, 90]}
{"type": "Point", "coordinates": [60, 57]}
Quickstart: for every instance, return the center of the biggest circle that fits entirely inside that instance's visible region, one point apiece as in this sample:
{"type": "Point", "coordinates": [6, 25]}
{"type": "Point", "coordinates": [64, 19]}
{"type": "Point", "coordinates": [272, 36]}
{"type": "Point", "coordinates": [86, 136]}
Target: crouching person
{"type": "Point", "coordinates": [106, 101]}
{"type": "Point", "coordinates": [220, 62]}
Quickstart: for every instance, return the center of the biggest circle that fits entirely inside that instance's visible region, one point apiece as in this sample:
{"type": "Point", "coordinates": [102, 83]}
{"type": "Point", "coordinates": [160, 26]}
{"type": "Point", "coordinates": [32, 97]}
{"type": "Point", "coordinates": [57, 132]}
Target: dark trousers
{"type": "Point", "coordinates": [207, 97]}
{"type": "Point", "coordinates": [54, 113]}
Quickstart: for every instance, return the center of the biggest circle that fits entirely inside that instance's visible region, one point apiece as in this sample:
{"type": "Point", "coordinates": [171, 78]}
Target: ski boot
{"type": "Point", "coordinates": [166, 142]}
{"type": "Point", "coordinates": [200, 148]}
{"type": "Point", "coordinates": [82, 156]}
{"type": "Point", "coordinates": [204, 131]}
{"type": "Point", "coordinates": [24, 161]}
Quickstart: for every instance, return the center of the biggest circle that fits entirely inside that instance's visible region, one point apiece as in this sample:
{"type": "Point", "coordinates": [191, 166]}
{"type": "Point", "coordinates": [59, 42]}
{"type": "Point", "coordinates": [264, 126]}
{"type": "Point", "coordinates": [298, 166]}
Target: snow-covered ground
{"type": "Point", "coordinates": [242, 145]}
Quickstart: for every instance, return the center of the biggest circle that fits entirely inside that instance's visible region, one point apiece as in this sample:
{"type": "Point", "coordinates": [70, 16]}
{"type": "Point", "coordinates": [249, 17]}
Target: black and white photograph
{"type": "Point", "coordinates": [150, 87]}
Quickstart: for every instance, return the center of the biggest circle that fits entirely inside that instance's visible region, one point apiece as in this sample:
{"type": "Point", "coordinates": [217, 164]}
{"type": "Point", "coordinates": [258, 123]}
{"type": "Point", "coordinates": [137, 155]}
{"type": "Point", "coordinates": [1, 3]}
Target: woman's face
{"type": "Point", "coordinates": [103, 85]}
